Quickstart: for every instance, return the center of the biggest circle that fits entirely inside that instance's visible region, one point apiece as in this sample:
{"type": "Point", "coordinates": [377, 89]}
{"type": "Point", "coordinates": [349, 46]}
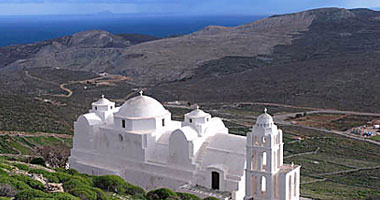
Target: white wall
{"type": "Point", "coordinates": [180, 150]}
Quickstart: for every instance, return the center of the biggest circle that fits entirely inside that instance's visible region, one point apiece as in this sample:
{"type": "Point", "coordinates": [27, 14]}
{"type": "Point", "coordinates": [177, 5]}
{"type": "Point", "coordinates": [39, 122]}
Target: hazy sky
{"type": "Point", "coordinates": [186, 7]}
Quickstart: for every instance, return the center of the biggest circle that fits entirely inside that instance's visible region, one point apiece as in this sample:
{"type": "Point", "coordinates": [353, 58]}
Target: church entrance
{"type": "Point", "coordinates": [215, 180]}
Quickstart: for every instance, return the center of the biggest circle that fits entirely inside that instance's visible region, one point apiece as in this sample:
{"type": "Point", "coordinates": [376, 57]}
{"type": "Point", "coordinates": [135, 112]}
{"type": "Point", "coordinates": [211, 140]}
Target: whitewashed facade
{"type": "Point", "coordinates": [141, 143]}
{"type": "Point", "coordinates": [266, 175]}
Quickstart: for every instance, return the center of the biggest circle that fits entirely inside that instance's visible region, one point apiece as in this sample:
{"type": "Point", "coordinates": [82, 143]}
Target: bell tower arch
{"type": "Point", "coordinates": [264, 158]}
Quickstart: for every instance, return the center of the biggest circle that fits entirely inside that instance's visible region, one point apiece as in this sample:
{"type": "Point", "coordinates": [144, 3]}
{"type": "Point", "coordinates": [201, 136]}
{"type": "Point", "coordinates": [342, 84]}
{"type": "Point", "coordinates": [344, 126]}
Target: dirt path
{"type": "Point", "coordinates": [69, 91]}
{"type": "Point", "coordinates": [27, 74]}
{"type": "Point", "coordinates": [111, 78]}
{"type": "Point", "coordinates": [314, 181]}
{"type": "Point", "coordinates": [305, 153]}
{"type": "Point", "coordinates": [346, 171]}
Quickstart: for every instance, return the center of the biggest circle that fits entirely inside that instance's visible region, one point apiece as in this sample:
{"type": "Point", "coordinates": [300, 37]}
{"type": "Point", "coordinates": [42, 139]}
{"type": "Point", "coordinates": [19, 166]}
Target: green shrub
{"type": "Point", "coordinates": [111, 183]}
{"type": "Point", "coordinates": [162, 194]}
{"type": "Point", "coordinates": [73, 183]}
{"type": "Point", "coordinates": [85, 178]}
{"type": "Point", "coordinates": [5, 166]}
{"type": "Point", "coordinates": [21, 166]}
{"type": "Point", "coordinates": [5, 198]}
{"type": "Point", "coordinates": [60, 169]}
{"type": "Point", "coordinates": [48, 175]}
{"type": "Point", "coordinates": [139, 197]}
{"type": "Point", "coordinates": [31, 182]}
{"type": "Point", "coordinates": [63, 177]}
{"type": "Point", "coordinates": [3, 172]}
{"type": "Point", "coordinates": [134, 190]}
{"type": "Point", "coordinates": [100, 195]}
{"type": "Point", "coordinates": [7, 190]}
{"type": "Point", "coordinates": [84, 193]}
{"type": "Point", "coordinates": [30, 194]}
{"type": "Point", "coordinates": [210, 198]}
{"type": "Point", "coordinates": [63, 196]}
{"type": "Point", "coordinates": [187, 196]}
{"type": "Point", "coordinates": [72, 172]}
{"type": "Point", "coordinates": [16, 184]}
{"type": "Point", "coordinates": [38, 161]}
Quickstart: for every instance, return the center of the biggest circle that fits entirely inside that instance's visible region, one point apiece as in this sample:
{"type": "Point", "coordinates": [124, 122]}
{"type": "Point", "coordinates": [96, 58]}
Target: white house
{"type": "Point", "coordinates": [141, 143]}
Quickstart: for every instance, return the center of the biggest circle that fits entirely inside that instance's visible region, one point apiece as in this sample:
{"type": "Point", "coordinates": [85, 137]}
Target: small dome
{"type": "Point", "coordinates": [102, 101]}
{"type": "Point", "coordinates": [142, 107]}
{"type": "Point", "coordinates": [197, 113]}
{"type": "Point", "coordinates": [264, 119]}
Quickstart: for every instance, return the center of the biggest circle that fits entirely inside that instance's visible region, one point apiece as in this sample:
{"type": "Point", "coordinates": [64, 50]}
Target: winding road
{"type": "Point", "coordinates": [69, 92]}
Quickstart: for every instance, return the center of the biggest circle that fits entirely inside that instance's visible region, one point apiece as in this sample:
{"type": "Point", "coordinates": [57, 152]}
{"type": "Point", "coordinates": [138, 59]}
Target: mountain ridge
{"type": "Point", "coordinates": [315, 42]}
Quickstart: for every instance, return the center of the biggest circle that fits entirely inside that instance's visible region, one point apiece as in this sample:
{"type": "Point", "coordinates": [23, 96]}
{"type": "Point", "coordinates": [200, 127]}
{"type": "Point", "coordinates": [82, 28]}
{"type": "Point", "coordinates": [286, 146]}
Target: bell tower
{"type": "Point", "coordinates": [103, 108]}
{"type": "Point", "coordinates": [264, 159]}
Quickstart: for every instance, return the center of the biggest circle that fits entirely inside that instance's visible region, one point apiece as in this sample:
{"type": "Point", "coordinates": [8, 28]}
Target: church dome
{"type": "Point", "coordinates": [264, 119]}
{"type": "Point", "coordinates": [197, 113]}
{"type": "Point", "coordinates": [142, 107]}
{"type": "Point", "coordinates": [102, 101]}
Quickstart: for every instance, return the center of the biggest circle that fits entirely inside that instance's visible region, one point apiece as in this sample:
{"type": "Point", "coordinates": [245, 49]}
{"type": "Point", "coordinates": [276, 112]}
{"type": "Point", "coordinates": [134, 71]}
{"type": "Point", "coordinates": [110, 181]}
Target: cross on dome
{"type": "Point", "coordinates": [197, 107]}
{"type": "Point", "coordinates": [265, 110]}
{"type": "Point", "coordinates": [102, 96]}
{"type": "Point", "coordinates": [141, 92]}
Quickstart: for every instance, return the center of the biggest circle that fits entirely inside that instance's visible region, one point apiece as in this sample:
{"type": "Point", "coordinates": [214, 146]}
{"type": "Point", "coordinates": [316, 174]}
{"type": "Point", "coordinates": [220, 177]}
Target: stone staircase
{"type": "Point", "coordinates": [203, 192]}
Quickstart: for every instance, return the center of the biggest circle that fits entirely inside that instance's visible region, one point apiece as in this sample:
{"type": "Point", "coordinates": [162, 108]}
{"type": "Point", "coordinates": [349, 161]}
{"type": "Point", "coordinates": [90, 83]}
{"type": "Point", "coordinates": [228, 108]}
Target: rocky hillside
{"type": "Point", "coordinates": [335, 63]}
{"type": "Point", "coordinates": [324, 57]}
{"type": "Point", "coordinates": [162, 60]}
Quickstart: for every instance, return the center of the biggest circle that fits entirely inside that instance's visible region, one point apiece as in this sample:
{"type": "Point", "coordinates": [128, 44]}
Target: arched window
{"type": "Point", "coordinates": [263, 141]}
{"type": "Point", "coordinates": [264, 159]}
{"type": "Point", "coordinates": [163, 122]}
{"type": "Point", "coordinates": [191, 120]}
{"type": "Point", "coordinates": [253, 161]}
{"type": "Point", "coordinates": [215, 178]}
{"type": "Point", "coordinates": [123, 123]}
{"type": "Point", "coordinates": [263, 185]}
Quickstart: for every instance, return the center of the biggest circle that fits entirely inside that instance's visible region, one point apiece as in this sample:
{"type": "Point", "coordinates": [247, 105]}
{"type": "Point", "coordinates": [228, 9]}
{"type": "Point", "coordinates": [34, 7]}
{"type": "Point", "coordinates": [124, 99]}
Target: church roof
{"type": "Point", "coordinates": [264, 118]}
{"type": "Point", "coordinates": [91, 118]}
{"type": "Point", "coordinates": [102, 101]}
{"type": "Point", "coordinates": [189, 133]}
{"type": "Point", "coordinates": [197, 113]}
{"type": "Point", "coordinates": [142, 107]}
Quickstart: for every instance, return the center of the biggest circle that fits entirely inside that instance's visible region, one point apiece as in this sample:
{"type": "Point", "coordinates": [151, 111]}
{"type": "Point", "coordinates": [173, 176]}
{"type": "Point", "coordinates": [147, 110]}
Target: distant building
{"type": "Point", "coordinates": [141, 143]}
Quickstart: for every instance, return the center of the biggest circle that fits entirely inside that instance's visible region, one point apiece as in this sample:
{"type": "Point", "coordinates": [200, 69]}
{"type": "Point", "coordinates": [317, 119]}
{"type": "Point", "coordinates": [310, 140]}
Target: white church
{"type": "Point", "coordinates": [141, 143]}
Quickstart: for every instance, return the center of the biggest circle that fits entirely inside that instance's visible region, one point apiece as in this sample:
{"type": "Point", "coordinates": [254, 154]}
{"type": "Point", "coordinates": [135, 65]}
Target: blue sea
{"type": "Point", "coordinates": [30, 29]}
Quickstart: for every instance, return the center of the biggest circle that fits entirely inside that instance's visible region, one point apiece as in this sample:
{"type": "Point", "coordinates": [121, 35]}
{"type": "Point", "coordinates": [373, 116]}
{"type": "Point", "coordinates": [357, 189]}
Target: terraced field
{"type": "Point", "coordinates": [24, 144]}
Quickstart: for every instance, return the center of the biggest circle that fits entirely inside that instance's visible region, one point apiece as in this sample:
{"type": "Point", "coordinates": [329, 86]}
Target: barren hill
{"type": "Point", "coordinates": [323, 57]}
{"type": "Point", "coordinates": [167, 59]}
